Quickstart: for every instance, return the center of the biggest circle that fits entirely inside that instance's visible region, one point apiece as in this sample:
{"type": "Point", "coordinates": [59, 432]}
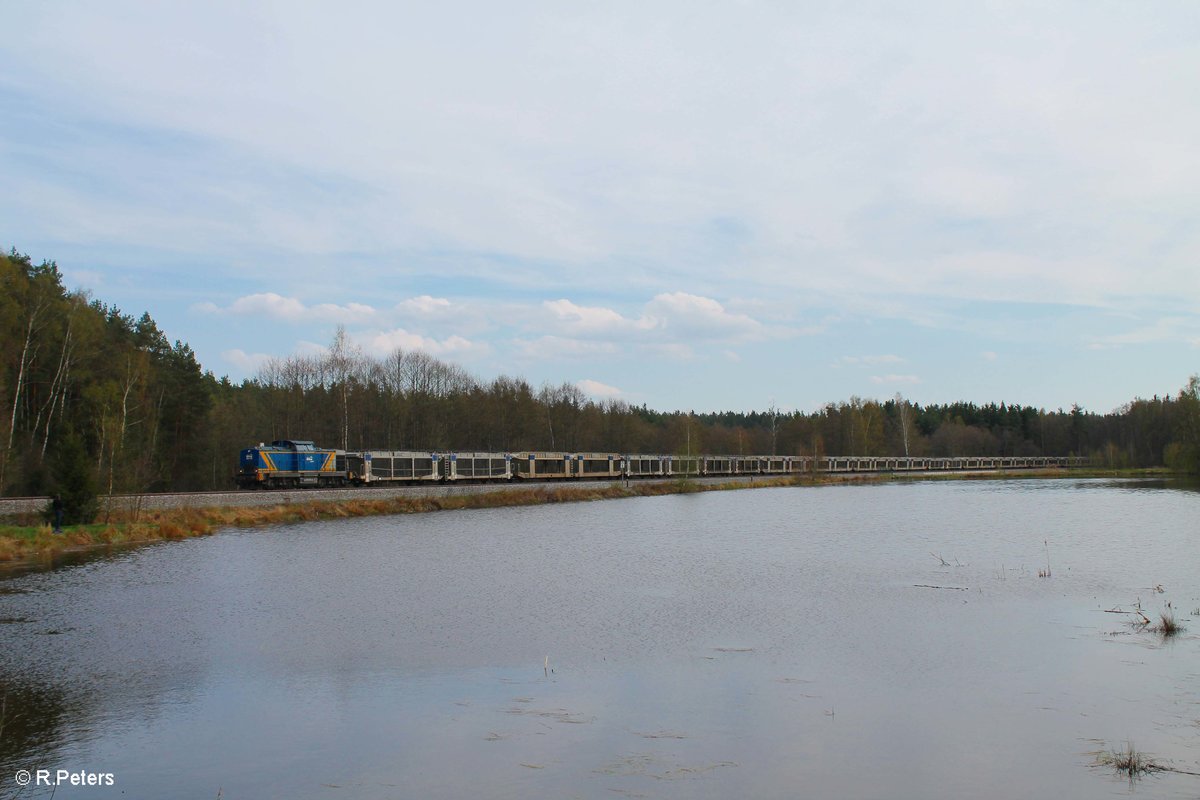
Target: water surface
{"type": "Point", "coordinates": [845, 641]}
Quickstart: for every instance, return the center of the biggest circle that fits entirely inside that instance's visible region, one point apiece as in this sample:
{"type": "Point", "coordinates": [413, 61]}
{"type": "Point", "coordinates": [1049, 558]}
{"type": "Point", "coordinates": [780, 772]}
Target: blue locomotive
{"type": "Point", "coordinates": [290, 464]}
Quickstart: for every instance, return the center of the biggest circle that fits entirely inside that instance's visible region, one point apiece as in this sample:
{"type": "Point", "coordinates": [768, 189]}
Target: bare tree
{"type": "Point", "coordinates": [341, 365]}
{"type": "Point", "coordinates": [37, 307]}
{"type": "Point", "coordinates": [902, 407]}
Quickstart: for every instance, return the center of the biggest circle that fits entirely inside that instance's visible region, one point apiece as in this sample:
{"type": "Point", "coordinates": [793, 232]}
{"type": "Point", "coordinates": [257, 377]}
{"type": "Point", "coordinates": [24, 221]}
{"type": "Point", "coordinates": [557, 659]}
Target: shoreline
{"type": "Point", "coordinates": [24, 547]}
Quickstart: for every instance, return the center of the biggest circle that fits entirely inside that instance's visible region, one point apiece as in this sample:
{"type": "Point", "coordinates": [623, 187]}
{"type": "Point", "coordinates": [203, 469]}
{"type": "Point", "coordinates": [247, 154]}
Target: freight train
{"type": "Point", "coordinates": [293, 464]}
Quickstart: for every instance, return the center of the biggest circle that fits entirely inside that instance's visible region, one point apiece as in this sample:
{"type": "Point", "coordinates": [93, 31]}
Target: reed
{"type": "Point", "coordinates": [1130, 761]}
{"type": "Point", "coordinates": [1167, 624]}
{"type": "Point", "coordinates": [1045, 573]}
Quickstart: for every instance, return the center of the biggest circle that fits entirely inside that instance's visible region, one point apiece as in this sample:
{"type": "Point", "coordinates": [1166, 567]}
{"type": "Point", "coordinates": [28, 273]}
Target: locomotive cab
{"type": "Point", "coordinates": [288, 463]}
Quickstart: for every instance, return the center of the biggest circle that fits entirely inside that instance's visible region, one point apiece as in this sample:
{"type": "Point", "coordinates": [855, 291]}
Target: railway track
{"type": "Point", "coordinates": [17, 506]}
{"type": "Point", "coordinates": [13, 507]}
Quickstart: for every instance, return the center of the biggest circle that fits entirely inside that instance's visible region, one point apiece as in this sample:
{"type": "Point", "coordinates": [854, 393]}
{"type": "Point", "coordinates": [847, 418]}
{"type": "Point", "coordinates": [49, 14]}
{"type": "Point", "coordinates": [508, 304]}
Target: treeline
{"type": "Point", "coordinates": [89, 394]}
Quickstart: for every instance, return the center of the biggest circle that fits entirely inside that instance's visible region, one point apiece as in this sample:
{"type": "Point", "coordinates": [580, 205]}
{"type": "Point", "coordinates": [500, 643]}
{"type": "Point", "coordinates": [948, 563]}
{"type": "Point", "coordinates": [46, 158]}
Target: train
{"type": "Point", "coordinates": [297, 464]}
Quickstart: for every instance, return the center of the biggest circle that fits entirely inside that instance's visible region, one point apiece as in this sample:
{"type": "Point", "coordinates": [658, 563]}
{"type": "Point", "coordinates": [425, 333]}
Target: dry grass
{"type": "Point", "coordinates": [1130, 761]}
{"type": "Point", "coordinates": [123, 526]}
{"type": "Point", "coordinates": [1167, 624]}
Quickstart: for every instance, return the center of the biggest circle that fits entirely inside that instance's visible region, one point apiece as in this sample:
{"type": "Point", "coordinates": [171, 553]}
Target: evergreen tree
{"type": "Point", "coordinates": [1183, 454]}
{"type": "Point", "coordinates": [74, 479]}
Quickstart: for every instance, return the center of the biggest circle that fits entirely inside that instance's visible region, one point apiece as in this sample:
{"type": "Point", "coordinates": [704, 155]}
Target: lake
{"type": "Point", "coordinates": [875, 641]}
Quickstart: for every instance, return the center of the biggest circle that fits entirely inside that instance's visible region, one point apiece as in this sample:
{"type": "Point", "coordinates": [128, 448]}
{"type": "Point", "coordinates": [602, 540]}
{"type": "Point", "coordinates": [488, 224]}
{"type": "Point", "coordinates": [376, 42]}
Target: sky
{"type": "Point", "coordinates": [683, 205]}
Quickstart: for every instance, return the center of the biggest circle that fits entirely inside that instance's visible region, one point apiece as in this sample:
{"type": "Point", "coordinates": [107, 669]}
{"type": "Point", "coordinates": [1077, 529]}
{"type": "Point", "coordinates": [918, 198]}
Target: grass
{"type": "Point", "coordinates": [38, 543]}
{"type": "Point", "coordinates": [33, 543]}
{"type": "Point", "coordinates": [1166, 627]}
{"type": "Point", "coordinates": [1130, 761]}
{"type": "Point", "coordinates": [1045, 573]}
{"type": "Point", "coordinates": [1167, 624]}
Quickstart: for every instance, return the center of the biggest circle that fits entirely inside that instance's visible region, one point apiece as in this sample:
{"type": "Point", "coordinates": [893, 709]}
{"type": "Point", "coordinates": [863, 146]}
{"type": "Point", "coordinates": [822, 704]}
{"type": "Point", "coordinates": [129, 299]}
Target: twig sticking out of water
{"type": "Point", "coordinates": [1166, 627]}
{"type": "Point", "coordinates": [1045, 573]}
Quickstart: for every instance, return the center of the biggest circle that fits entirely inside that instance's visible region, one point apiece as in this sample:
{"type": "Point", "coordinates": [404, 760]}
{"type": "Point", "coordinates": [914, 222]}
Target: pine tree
{"type": "Point", "coordinates": [75, 481]}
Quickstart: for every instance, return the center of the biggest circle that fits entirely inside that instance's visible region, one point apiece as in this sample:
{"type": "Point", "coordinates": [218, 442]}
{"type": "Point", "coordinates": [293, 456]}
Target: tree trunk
{"type": "Point", "coordinates": [34, 313]}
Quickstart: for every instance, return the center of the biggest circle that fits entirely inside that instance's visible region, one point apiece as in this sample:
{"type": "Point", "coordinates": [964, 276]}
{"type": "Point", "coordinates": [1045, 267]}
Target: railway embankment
{"type": "Point", "coordinates": [132, 519]}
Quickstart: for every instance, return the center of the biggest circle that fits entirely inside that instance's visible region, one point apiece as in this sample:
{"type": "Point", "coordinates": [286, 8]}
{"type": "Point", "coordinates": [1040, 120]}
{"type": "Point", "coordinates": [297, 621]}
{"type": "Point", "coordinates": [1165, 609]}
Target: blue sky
{"type": "Point", "coordinates": [708, 207]}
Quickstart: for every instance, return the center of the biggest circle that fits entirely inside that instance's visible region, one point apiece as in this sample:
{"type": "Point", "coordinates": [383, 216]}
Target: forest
{"type": "Point", "coordinates": [91, 395]}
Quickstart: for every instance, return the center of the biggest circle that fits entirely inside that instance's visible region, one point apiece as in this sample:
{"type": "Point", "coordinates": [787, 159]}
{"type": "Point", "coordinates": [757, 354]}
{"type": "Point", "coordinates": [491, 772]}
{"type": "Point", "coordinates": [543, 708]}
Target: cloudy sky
{"type": "Point", "coordinates": [687, 205]}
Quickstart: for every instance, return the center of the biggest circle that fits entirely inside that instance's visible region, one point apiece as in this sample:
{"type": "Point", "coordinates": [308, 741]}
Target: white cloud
{"type": "Point", "coordinates": [670, 325]}
{"type": "Point", "coordinates": [444, 316]}
{"type": "Point", "coordinates": [1164, 329]}
{"type": "Point", "coordinates": [697, 317]}
{"type": "Point", "coordinates": [307, 348]}
{"type": "Point", "coordinates": [676, 351]}
{"type": "Point", "coordinates": [351, 312]}
{"type": "Point", "coordinates": [248, 363]}
{"type": "Point", "coordinates": [558, 347]}
{"type": "Point", "coordinates": [594, 320]}
{"type": "Point", "coordinates": [667, 318]}
{"type": "Point", "coordinates": [859, 150]}
{"type": "Point", "coordinates": [381, 343]}
{"type": "Point", "coordinates": [988, 355]}
{"type": "Point", "coordinates": [424, 305]}
{"type": "Point", "coordinates": [930, 162]}
{"type": "Point", "coordinates": [598, 389]}
{"type": "Point", "coordinates": [289, 309]}
{"type": "Point", "coordinates": [894, 379]}
{"type": "Point", "coordinates": [268, 304]}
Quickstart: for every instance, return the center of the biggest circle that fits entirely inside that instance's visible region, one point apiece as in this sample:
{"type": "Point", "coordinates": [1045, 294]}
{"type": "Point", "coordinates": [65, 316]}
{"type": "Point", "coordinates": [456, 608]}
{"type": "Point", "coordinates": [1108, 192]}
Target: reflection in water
{"type": "Point", "coordinates": [767, 643]}
{"type": "Point", "coordinates": [31, 720]}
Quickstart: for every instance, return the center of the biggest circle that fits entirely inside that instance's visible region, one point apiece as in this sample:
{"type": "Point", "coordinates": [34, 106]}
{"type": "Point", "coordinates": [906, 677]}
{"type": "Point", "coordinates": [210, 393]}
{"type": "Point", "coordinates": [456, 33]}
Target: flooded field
{"type": "Point", "coordinates": [884, 641]}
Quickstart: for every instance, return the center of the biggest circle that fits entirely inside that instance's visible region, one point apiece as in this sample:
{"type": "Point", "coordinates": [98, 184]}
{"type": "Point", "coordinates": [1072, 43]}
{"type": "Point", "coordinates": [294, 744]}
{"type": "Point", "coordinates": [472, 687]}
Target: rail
{"type": "Point", "coordinates": [736, 467]}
